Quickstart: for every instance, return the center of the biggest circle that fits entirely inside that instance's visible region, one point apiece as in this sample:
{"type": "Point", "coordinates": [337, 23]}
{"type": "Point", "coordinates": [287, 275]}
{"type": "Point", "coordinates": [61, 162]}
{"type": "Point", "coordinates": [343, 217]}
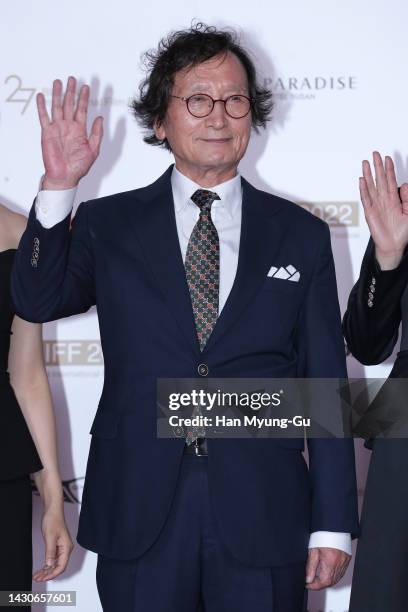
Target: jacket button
{"type": "Point", "coordinates": [203, 369]}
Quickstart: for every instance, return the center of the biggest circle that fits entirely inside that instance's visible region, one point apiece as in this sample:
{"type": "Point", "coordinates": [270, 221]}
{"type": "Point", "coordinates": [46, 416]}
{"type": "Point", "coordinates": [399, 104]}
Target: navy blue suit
{"type": "Point", "coordinates": [123, 255]}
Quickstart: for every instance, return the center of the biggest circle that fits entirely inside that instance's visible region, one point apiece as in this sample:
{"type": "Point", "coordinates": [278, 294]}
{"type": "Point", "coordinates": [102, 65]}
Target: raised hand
{"type": "Point", "coordinates": [68, 151]}
{"type": "Point", "coordinates": [386, 210]}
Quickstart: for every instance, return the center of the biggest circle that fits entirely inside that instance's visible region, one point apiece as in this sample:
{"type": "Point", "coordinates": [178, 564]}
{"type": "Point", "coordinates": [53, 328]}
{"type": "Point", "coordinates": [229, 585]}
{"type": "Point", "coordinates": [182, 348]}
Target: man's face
{"type": "Point", "coordinates": [212, 145]}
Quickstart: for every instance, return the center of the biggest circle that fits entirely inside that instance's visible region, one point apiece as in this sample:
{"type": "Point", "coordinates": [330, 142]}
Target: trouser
{"type": "Point", "coordinates": [188, 569]}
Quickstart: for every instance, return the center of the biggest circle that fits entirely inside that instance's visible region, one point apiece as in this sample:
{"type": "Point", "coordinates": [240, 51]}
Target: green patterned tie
{"type": "Point", "coordinates": [202, 266]}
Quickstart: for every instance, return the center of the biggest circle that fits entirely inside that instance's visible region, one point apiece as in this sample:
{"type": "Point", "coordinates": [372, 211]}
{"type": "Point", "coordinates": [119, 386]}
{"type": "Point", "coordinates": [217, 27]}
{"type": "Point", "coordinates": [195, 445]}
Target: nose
{"type": "Point", "coordinates": [218, 117]}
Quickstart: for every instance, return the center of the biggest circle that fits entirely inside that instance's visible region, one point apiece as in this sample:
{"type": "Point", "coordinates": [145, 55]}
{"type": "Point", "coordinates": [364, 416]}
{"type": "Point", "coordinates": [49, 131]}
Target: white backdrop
{"type": "Point", "coordinates": [338, 73]}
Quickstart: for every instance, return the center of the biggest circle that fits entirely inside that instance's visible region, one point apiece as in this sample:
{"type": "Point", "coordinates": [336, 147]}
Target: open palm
{"type": "Point", "coordinates": [68, 151]}
{"type": "Point", "coordinates": [385, 207]}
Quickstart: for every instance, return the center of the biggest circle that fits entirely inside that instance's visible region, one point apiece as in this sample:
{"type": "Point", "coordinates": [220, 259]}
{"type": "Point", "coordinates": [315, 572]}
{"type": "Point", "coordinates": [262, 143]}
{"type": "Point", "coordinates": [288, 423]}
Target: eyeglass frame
{"type": "Point", "coordinates": [186, 99]}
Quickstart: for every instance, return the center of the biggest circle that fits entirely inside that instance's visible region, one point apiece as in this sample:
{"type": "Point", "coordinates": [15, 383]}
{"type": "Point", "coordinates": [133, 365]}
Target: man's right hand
{"type": "Point", "coordinates": [68, 152]}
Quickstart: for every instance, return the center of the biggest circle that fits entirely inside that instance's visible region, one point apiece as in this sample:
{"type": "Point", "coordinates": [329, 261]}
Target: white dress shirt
{"type": "Point", "coordinates": [53, 206]}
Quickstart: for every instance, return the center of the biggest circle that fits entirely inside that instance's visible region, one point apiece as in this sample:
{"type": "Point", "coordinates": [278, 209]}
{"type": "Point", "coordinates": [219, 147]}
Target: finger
{"type": "Point", "coordinates": [325, 577]}
{"type": "Point", "coordinates": [403, 192]}
{"type": "Point", "coordinates": [56, 108]}
{"type": "Point", "coordinates": [65, 550]}
{"type": "Point", "coordinates": [58, 569]}
{"type": "Point", "coordinates": [51, 550]}
{"type": "Point", "coordinates": [312, 564]}
{"type": "Point", "coordinates": [364, 194]}
{"type": "Point", "coordinates": [48, 574]}
{"type": "Point", "coordinates": [50, 571]}
{"type": "Point", "coordinates": [82, 106]}
{"type": "Point", "coordinates": [69, 99]}
{"type": "Point", "coordinates": [339, 573]}
{"type": "Point", "coordinates": [380, 178]}
{"type": "Point", "coordinates": [42, 111]}
{"type": "Point", "coordinates": [316, 585]}
{"type": "Point", "coordinates": [42, 574]}
{"type": "Point", "coordinates": [51, 557]}
{"type": "Point", "coordinates": [390, 176]}
{"type": "Point", "coordinates": [95, 138]}
{"type": "Point", "coordinates": [369, 181]}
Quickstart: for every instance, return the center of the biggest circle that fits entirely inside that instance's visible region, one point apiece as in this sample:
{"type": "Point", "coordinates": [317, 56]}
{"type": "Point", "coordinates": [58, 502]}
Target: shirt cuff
{"type": "Point", "coordinates": [331, 539]}
{"type": "Point", "coordinates": [52, 206]}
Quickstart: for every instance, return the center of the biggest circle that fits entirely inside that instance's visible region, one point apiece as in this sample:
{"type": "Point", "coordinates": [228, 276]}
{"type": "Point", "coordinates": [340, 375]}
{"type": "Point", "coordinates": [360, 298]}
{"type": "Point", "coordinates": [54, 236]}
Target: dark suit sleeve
{"type": "Point", "coordinates": [373, 315]}
{"type": "Point", "coordinates": [53, 274]}
{"type": "Point", "coordinates": [321, 354]}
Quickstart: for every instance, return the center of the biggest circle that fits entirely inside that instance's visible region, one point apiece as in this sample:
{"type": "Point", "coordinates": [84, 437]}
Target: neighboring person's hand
{"type": "Point", "coordinates": [325, 567]}
{"type": "Point", "coordinates": [386, 210]}
{"type": "Point", "coordinates": [68, 152]}
{"type": "Point", "coordinates": [58, 546]}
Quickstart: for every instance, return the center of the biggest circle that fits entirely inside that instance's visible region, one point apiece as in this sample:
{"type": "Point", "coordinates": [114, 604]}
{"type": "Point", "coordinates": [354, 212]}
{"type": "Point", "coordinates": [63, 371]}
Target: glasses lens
{"type": "Point", "coordinates": [238, 106]}
{"type": "Point", "coordinates": [200, 105]}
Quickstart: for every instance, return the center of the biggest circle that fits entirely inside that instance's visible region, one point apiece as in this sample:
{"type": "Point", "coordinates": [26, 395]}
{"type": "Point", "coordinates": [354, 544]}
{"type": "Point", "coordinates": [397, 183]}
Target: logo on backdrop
{"type": "Point", "coordinates": [292, 87]}
{"type": "Point", "coordinates": [18, 93]}
{"type": "Point", "coordinates": [309, 87]}
{"type": "Point", "coordinates": [336, 214]}
{"type": "Point", "coordinates": [72, 352]}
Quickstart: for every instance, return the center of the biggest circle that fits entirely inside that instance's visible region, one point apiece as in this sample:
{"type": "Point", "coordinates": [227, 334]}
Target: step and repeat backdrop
{"type": "Point", "coordinates": [338, 72]}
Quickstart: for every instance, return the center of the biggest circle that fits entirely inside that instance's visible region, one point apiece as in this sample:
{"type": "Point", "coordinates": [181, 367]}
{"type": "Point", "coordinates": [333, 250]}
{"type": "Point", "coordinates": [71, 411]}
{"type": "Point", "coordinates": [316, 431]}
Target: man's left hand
{"type": "Point", "coordinates": [325, 567]}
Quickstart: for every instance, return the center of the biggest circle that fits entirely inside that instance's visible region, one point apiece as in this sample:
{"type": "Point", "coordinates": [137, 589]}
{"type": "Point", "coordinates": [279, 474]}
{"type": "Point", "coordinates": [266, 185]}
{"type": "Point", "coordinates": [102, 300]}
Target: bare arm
{"type": "Point", "coordinates": [29, 381]}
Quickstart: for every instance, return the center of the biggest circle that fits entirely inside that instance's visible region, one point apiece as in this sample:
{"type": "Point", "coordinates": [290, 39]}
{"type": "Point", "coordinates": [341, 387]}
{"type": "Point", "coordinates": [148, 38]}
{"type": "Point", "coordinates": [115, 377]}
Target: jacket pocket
{"type": "Point", "coordinates": [280, 285]}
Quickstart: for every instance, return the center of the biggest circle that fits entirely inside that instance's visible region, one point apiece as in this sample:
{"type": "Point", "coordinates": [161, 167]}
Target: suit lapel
{"type": "Point", "coordinates": [260, 243]}
{"type": "Point", "coordinates": [157, 233]}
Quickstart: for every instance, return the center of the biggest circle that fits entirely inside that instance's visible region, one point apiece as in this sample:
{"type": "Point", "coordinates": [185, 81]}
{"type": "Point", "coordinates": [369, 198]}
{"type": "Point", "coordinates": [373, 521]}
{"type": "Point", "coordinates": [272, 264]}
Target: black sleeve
{"type": "Point", "coordinates": [373, 315]}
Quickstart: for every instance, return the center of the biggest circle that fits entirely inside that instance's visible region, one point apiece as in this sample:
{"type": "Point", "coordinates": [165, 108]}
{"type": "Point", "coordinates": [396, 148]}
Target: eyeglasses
{"type": "Point", "coordinates": [201, 105]}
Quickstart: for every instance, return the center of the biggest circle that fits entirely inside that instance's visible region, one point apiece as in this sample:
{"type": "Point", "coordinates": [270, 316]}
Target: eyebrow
{"type": "Point", "coordinates": [203, 87]}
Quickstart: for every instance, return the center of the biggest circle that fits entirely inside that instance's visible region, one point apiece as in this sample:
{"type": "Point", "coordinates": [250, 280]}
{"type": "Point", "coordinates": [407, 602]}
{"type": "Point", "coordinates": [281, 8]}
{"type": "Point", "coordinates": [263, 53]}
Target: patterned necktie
{"type": "Point", "coordinates": [202, 266]}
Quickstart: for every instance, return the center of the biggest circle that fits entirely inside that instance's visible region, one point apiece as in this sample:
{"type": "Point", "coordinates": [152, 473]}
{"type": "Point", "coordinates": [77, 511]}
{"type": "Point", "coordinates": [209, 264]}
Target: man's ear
{"type": "Point", "coordinates": [159, 130]}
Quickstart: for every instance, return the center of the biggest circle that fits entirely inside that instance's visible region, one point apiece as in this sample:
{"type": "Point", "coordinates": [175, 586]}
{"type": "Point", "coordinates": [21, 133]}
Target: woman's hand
{"type": "Point", "coordinates": [58, 546]}
{"type": "Point", "coordinates": [386, 210]}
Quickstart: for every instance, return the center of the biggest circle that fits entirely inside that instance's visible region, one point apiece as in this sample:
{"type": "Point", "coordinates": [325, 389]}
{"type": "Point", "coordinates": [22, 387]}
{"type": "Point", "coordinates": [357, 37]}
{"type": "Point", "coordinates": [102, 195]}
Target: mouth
{"type": "Point", "coordinates": [217, 140]}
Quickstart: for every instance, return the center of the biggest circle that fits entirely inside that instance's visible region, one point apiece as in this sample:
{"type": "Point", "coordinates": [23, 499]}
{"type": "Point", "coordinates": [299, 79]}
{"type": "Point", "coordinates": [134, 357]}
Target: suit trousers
{"type": "Point", "coordinates": [188, 569]}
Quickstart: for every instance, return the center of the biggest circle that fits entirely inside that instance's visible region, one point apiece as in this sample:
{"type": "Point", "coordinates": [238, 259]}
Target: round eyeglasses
{"type": "Point", "coordinates": [201, 105]}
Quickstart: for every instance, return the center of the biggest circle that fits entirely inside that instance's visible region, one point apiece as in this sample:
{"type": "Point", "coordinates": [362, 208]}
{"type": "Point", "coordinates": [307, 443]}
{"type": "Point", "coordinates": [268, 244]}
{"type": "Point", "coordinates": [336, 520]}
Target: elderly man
{"type": "Point", "coordinates": [179, 273]}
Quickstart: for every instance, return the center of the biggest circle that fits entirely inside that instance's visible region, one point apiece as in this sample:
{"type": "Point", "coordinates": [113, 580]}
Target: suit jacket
{"type": "Point", "coordinates": [375, 309]}
{"type": "Point", "coordinates": [123, 255]}
{"type": "Point", "coordinates": [376, 305]}
{"type": "Point", "coordinates": [370, 327]}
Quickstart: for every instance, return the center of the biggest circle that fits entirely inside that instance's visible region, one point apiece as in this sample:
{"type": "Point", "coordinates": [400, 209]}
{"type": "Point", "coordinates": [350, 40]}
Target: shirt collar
{"type": "Point", "coordinates": [230, 192]}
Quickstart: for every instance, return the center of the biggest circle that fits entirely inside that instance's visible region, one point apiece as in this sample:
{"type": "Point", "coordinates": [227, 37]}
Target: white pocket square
{"type": "Point", "coordinates": [288, 273]}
